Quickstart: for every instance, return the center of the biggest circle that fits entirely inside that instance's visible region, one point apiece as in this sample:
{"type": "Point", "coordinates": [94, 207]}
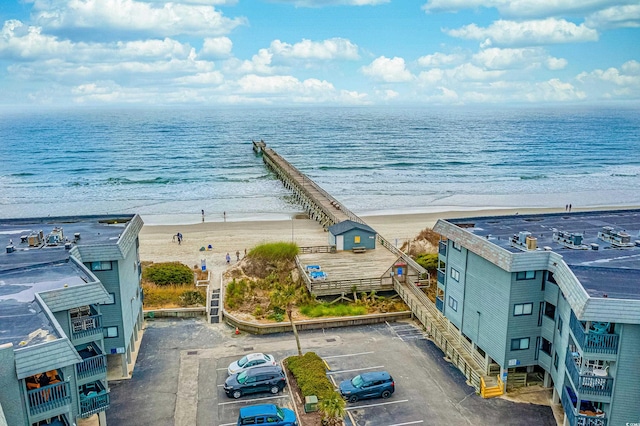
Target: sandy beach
{"type": "Point", "coordinates": [158, 245]}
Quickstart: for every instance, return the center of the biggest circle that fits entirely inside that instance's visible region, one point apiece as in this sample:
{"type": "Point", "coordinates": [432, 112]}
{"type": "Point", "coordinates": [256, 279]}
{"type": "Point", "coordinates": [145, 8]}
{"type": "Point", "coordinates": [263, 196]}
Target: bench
{"type": "Point", "coordinates": [359, 249]}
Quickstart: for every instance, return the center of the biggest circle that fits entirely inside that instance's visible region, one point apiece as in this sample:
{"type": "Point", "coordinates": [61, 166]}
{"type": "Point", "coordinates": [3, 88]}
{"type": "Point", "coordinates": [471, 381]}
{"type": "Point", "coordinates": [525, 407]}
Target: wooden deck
{"type": "Point", "coordinates": [366, 271]}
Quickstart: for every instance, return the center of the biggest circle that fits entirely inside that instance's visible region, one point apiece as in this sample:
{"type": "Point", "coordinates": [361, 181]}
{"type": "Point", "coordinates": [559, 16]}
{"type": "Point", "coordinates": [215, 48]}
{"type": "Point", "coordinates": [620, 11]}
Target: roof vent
{"type": "Point", "coordinates": [76, 236]}
{"type": "Point", "coordinates": [11, 249]}
{"type": "Point", "coordinates": [594, 246]}
{"type": "Point", "coordinates": [637, 243]}
{"type": "Point", "coordinates": [67, 246]}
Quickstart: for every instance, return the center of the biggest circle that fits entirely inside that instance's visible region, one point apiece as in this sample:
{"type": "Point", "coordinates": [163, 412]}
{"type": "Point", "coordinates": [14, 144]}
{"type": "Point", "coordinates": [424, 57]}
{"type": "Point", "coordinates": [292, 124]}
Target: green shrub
{"type": "Point", "coordinates": [273, 252]}
{"type": "Point", "coordinates": [168, 273]}
{"type": "Point", "coordinates": [310, 373]}
{"type": "Point", "coordinates": [428, 261]}
{"type": "Point", "coordinates": [193, 297]}
{"type": "Point", "coordinates": [336, 310]}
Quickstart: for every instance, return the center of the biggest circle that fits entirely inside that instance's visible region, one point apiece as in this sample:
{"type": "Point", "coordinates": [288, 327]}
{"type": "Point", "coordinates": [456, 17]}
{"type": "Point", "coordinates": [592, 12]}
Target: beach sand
{"type": "Point", "coordinates": [157, 244]}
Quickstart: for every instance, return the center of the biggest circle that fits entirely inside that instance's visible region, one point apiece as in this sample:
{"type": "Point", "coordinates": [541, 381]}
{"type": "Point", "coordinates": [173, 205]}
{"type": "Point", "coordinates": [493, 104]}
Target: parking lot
{"type": "Point", "coordinates": [182, 366]}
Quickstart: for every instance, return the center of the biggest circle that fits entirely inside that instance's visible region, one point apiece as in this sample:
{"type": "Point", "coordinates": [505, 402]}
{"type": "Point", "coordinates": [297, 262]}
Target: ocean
{"type": "Point", "coordinates": [169, 164]}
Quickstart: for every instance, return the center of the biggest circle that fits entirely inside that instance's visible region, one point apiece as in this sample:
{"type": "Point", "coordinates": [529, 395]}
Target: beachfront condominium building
{"type": "Point", "coordinates": [554, 295]}
{"type": "Point", "coordinates": [70, 299]}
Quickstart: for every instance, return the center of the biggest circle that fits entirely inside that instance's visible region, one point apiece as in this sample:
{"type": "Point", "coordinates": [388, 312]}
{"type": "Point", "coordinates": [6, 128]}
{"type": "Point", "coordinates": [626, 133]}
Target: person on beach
{"type": "Point", "coordinates": [238, 256]}
{"type": "Point", "coordinates": [228, 258]}
{"type": "Point", "coordinates": [203, 216]}
{"type": "Point", "coordinates": [179, 235]}
{"type": "Point", "coordinates": [224, 216]}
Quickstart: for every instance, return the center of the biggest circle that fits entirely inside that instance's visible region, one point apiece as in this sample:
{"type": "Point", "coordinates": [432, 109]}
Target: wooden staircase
{"type": "Point", "coordinates": [491, 386]}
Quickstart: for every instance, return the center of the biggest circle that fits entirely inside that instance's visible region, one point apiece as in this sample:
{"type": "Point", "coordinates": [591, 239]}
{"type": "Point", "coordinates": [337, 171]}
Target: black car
{"type": "Point", "coordinates": [374, 384]}
{"type": "Point", "coordinates": [254, 380]}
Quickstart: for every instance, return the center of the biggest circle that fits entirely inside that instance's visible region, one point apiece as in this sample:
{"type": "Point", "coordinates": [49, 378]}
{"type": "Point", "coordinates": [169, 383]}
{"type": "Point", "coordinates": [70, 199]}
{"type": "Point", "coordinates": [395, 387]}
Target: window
{"type": "Point", "coordinates": [453, 303]}
{"type": "Point", "coordinates": [356, 239]}
{"type": "Point", "coordinates": [456, 246]}
{"type": "Point", "coordinates": [525, 275]}
{"type": "Point", "coordinates": [555, 361]}
{"type": "Point", "coordinates": [545, 346]}
{"type": "Point", "coordinates": [112, 299]}
{"type": "Point", "coordinates": [101, 266]}
{"type": "Point", "coordinates": [560, 324]}
{"type": "Point", "coordinates": [455, 274]}
{"type": "Point", "coordinates": [522, 309]}
{"type": "Point", "coordinates": [110, 332]}
{"type": "Point", "coordinates": [520, 344]}
{"type": "Point", "coordinates": [550, 310]}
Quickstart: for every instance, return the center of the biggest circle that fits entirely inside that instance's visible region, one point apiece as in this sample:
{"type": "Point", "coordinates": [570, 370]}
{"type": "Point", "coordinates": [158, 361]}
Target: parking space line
{"type": "Point", "coordinates": [342, 356]}
{"type": "Point", "coordinates": [376, 405]}
{"type": "Point", "coordinates": [355, 369]}
{"type": "Point", "coordinates": [237, 401]}
{"type": "Point", "coordinates": [222, 368]}
{"type": "Point", "coordinates": [229, 424]}
{"type": "Point", "coordinates": [402, 424]}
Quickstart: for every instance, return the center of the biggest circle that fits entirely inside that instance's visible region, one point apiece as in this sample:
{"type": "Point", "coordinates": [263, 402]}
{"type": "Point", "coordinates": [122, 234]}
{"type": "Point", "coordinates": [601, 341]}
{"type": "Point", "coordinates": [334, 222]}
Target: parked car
{"type": "Point", "coordinates": [373, 384]}
{"type": "Point", "coordinates": [250, 361]}
{"type": "Point", "coordinates": [254, 380]}
{"type": "Point", "coordinates": [269, 414]}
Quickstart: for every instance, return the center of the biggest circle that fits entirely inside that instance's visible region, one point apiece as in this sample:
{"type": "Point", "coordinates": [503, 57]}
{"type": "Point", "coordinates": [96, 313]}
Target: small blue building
{"type": "Point", "coordinates": [348, 235]}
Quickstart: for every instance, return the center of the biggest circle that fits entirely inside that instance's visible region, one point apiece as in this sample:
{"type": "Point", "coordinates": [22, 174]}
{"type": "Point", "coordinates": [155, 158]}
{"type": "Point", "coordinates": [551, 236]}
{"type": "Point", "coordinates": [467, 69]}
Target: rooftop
{"type": "Point", "coordinates": [604, 267]}
{"type": "Point", "coordinates": [34, 260]}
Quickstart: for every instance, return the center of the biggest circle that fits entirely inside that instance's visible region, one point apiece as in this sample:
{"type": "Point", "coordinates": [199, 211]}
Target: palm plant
{"type": "Point", "coordinates": [332, 409]}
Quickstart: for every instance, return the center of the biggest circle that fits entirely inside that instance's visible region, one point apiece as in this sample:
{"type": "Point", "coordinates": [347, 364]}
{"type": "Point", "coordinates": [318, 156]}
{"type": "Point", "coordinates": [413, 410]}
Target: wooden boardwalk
{"type": "Point", "coordinates": [370, 271]}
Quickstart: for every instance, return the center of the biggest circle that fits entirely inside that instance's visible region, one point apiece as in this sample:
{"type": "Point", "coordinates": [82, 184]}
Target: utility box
{"type": "Point", "coordinates": [310, 404]}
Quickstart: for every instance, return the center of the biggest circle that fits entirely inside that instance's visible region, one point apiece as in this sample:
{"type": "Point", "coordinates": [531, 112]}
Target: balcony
{"type": "Point", "coordinates": [588, 381]}
{"type": "Point", "coordinates": [48, 398]}
{"type": "Point", "coordinates": [93, 399]}
{"type": "Point", "coordinates": [440, 304]}
{"type": "Point", "coordinates": [442, 248]}
{"type": "Point", "coordinates": [93, 363]}
{"type": "Point", "coordinates": [441, 277]}
{"type": "Point", "coordinates": [593, 341]}
{"type": "Point", "coordinates": [85, 326]}
{"type": "Point", "coordinates": [585, 417]}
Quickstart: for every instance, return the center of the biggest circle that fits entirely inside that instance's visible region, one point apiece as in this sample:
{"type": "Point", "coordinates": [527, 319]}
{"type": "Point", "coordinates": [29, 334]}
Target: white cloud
{"type": "Point", "coordinates": [627, 16]}
{"type": "Point", "coordinates": [205, 78]}
{"type": "Point", "coordinates": [322, 3]}
{"type": "Point", "coordinates": [525, 8]}
{"type": "Point", "coordinates": [217, 47]}
{"type": "Point", "coordinates": [554, 90]}
{"type": "Point", "coordinates": [627, 76]}
{"type": "Point", "coordinates": [259, 63]}
{"type": "Point", "coordinates": [165, 19]}
{"type": "Point", "coordinates": [517, 58]}
{"type": "Point", "coordinates": [440, 59]}
{"type": "Point", "coordinates": [388, 70]}
{"type": "Point", "coordinates": [23, 42]}
{"type": "Point", "coordinates": [284, 84]}
{"type": "Point", "coordinates": [527, 33]}
{"type": "Point", "coordinates": [334, 48]}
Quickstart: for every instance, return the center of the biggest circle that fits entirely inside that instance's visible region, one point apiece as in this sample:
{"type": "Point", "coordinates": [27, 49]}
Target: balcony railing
{"type": "Point", "coordinates": [92, 366]}
{"type": "Point", "coordinates": [86, 326]}
{"type": "Point", "coordinates": [94, 404]}
{"type": "Point", "coordinates": [593, 342]}
{"type": "Point", "coordinates": [440, 304]}
{"type": "Point", "coordinates": [442, 248]}
{"type": "Point", "coordinates": [441, 277]}
{"type": "Point", "coordinates": [576, 419]}
{"type": "Point", "coordinates": [588, 384]}
{"type": "Point", "coordinates": [48, 398]}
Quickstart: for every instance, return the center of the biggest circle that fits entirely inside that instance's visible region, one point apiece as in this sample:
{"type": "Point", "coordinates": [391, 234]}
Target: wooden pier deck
{"type": "Point", "coordinates": [369, 271]}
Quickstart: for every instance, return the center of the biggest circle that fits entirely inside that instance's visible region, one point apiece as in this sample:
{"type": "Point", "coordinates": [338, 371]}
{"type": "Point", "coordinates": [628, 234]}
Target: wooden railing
{"type": "Point", "coordinates": [588, 384]}
{"type": "Point", "coordinates": [48, 398]}
{"type": "Point", "coordinates": [86, 326]}
{"type": "Point", "coordinates": [317, 249]}
{"type": "Point", "coordinates": [92, 404]}
{"type": "Point", "coordinates": [92, 366]}
{"type": "Point", "coordinates": [593, 342]}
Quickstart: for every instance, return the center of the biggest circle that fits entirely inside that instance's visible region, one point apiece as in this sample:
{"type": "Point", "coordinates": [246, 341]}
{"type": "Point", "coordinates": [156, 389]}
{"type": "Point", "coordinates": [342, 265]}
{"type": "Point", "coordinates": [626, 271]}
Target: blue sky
{"type": "Point", "coordinates": [65, 53]}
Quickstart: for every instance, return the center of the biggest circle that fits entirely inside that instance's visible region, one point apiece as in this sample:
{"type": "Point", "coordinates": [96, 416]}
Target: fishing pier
{"type": "Point", "coordinates": [380, 270]}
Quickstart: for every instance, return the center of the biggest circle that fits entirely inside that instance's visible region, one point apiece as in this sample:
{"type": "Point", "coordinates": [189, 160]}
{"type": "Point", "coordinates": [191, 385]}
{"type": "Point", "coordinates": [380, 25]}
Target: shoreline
{"type": "Point", "coordinates": [234, 236]}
